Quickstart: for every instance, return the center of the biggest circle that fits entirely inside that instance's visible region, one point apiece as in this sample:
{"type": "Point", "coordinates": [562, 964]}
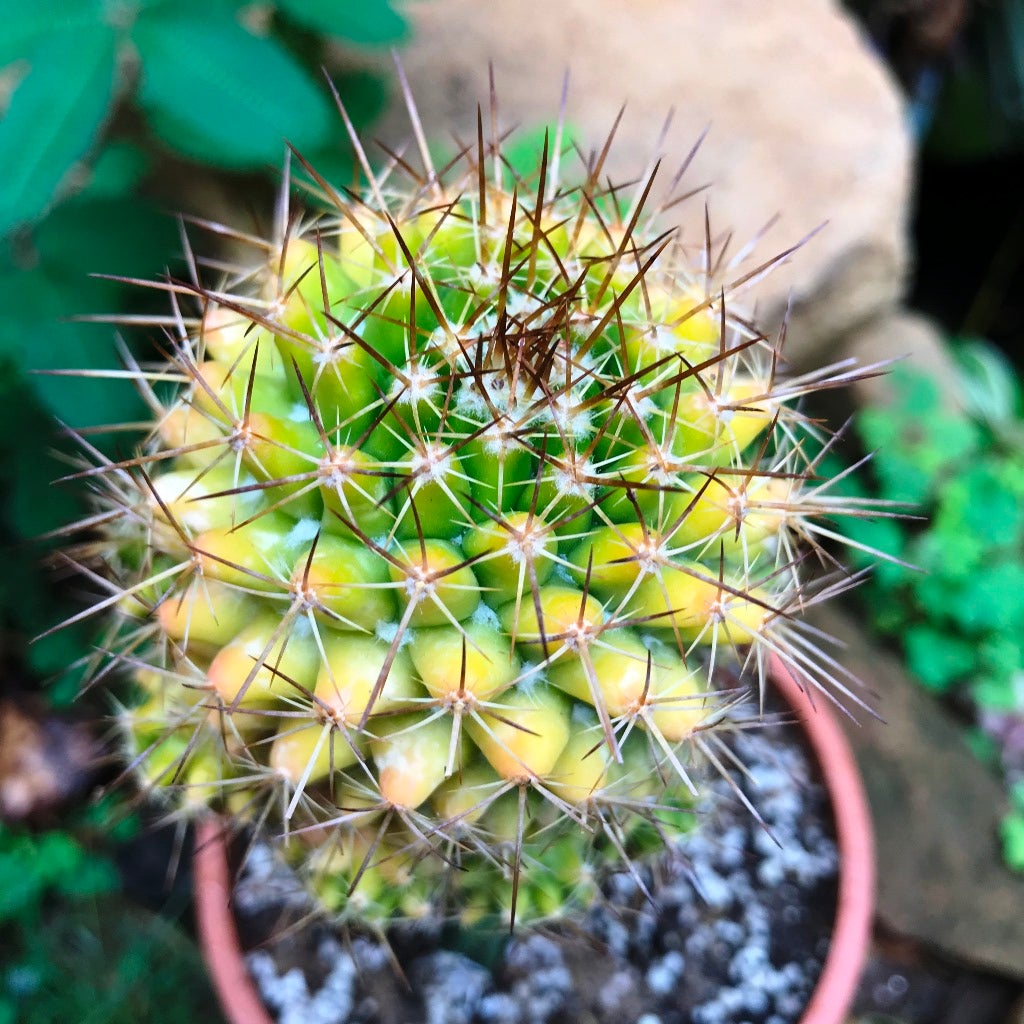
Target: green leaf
{"type": "Point", "coordinates": [892, 576]}
{"type": "Point", "coordinates": [36, 303]}
{"type": "Point", "coordinates": [30, 602]}
{"type": "Point", "coordinates": [919, 394]}
{"type": "Point", "coordinates": [32, 330]}
{"type": "Point", "coordinates": [365, 97]}
{"type": "Point", "coordinates": [524, 150]}
{"type": "Point", "coordinates": [882, 534]}
{"type": "Point", "coordinates": [993, 599]}
{"type": "Point", "coordinates": [978, 503]}
{"type": "Point", "coordinates": [888, 611]}
{"type": "Point", "coordinates": [996, 693]}
{"type": "Point", "coordinates": [1011, 830]}
{"type": "Point", "coordinates": [900, 479]}
{"type": "Point", "coordinates": [115, 236]}
{"type": "Point", "coordinates": [951, 555]}
{"type": "Point", "coordinates": [105, 235]}
{"type": "Point", "coordinates": [941, 600]}
{"type": "Point", "coordinates": [368, 22]}
{"type": "Point", "coordinates": [937, 658]}
{"type": "Point", "coordinates": [364, 94]}
{"type": "Point", "coordinates": [1011, 474]}
{"type": "Point", "coordinates": [110, 815]}
{"type": "Point", "coordinates": [26, 24]}
{"type": "Point", "coordinates": [91, 877]}
{"type": "Point", "coordinates": [54, 118]}
{"type": "Point", "coordinates": [989, 388]}
{"type": "Point", "coordinates": [119, 167]}
{"type": "Point", "coordinates": [1002, 655]}
{"type": "Point", "coordinates": [103, 961]}
{"type": "Point", "coordinates": [22, 879]}
{"type": "Point", "coordinates": [222, 95]}
{"type": "Point", "coordinates": [950, 438]}
{"type": "Point", "coordinates": [916, 435]}
{"type": "Point", "coordinates": [58, 855]}
{"type": "Point", "coordinates": [965, 126]}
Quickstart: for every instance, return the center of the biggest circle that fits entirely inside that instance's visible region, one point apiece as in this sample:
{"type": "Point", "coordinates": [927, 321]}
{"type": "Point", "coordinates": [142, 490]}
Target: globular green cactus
{"type": "Point", "coordinates": [472, 494]}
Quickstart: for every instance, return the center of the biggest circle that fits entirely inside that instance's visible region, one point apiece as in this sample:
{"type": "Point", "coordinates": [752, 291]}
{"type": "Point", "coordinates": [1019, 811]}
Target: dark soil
{"type": "Point", "coordinates": [735, 934]}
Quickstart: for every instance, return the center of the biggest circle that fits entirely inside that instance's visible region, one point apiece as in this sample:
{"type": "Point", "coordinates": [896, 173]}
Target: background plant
{"type": "Point", "coordinates": [112, 113]}
{"type": "Point", "coordinates": [71, 949]}
{"type": "Point", "coordinates": [960, 619]}
{"type": "Point", "coordinates": [961, 63]}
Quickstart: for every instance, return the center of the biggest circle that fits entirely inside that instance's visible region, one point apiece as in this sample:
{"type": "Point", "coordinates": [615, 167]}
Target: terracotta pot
{"type": "Point", "coordinates": [218, 937]}
{"type": "Point", "coordinates": [851, 933]}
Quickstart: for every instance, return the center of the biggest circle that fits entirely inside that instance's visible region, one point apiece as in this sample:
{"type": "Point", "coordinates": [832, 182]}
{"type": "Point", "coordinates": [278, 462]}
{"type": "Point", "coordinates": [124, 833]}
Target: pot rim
{"type": "Point", "coordinates": [851, 933]}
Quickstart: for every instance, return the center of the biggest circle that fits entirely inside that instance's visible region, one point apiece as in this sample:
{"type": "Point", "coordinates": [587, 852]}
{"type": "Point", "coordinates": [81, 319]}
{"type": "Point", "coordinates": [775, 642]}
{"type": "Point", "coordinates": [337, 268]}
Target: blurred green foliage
{"type": "Point", "coordinates": [979, 107]}
{"type": "Point", "coordinates": [113, 112]}
{"type": "Point", "coordinates": [219, 81]}
{"type": "Point", "coordinates": [1013, 829]}
{"type": "Point", "coordinates": [73, 951]}
{"type": "Point", "coordinates": [961, 63]}
{"type": "Point", "coordinates": [44, 282]}
{"type": "Point", "coordinates": [959, 613]}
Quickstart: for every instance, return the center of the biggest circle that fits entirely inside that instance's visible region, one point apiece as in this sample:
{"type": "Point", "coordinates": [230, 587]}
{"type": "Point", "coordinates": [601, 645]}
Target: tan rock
{"type": "Point", "coordinates": [915, 342]}
{"type": "Point", "coordinates": [804, 123]}
{"type": "Point", "coordinates": [941, 878]}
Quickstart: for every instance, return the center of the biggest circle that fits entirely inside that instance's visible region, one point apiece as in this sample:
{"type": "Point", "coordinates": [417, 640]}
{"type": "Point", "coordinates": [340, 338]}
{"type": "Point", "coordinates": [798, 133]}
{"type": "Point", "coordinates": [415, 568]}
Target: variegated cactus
{"type": "Point", "coordinates": [471, 496]}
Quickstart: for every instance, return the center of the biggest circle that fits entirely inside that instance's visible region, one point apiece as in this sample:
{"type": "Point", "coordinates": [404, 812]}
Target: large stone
{"type": "Point", "coordinates": [804, 123]}
{"type": "Point", "coordinates": [941, 879]}
{"type": "Point", "coordinates": [913, 340]}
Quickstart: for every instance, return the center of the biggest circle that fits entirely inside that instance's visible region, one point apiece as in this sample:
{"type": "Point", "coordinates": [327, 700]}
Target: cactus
{"type": "Point", "coordinates": [464, 501]}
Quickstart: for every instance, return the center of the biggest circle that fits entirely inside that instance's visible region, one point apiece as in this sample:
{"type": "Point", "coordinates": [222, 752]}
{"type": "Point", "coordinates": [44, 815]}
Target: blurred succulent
{"type": "Point", "coordinates": [959, 621]}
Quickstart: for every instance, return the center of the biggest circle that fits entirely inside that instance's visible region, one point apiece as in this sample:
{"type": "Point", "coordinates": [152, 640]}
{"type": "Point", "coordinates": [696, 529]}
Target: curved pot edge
{"type": "Point", "coordinates": [851, 934]}
{"type": "Point", "coordinates": [218, 937]}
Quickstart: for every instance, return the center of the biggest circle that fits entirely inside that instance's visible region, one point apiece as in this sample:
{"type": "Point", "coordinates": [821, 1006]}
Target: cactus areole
{"type": "Point", "coordinates": [473, 506]}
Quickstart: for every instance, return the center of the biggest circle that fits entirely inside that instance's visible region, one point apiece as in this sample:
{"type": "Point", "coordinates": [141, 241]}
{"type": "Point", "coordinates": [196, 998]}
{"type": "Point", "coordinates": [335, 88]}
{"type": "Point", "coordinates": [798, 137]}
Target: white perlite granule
{"type": "Point", "coordinates": [289, 994]}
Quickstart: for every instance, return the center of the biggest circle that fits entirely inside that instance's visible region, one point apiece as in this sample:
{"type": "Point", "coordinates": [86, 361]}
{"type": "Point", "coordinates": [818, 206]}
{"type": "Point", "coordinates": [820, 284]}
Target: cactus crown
{"type": "Point", "coordinates": [472, 492]}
